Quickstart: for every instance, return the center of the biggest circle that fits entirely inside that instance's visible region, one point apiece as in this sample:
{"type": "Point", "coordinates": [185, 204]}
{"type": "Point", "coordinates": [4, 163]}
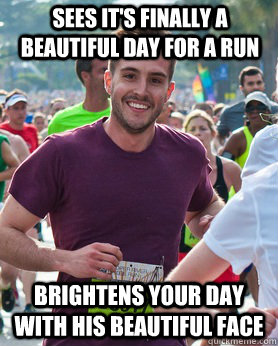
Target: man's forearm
{"type": "Point", "coordinates": [199, 224]}
{"type": "Point", "coordinates": [24, 252]}
{"type": "Point", "coordinates": [96, 260]}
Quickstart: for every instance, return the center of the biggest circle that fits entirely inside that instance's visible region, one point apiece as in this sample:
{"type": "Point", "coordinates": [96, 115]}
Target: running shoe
{"type": "Point", "coordinates": [29, 308]}
{"type": "Point", "coordinates": [8, 299]}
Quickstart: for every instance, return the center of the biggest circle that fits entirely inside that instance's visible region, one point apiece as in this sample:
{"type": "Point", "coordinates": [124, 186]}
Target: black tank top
{"type": "Point", "coordinates": [222, 190]}
{"type": "Point", "coordinates": [220, 185]}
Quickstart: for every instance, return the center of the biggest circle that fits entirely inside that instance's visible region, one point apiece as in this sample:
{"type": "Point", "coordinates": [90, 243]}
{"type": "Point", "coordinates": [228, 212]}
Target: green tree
{"type": "Point", "coordinates": [259, 17]}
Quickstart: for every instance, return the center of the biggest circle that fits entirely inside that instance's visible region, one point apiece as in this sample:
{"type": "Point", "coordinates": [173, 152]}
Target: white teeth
{"type": "Point", "coordinates": [137, 105]}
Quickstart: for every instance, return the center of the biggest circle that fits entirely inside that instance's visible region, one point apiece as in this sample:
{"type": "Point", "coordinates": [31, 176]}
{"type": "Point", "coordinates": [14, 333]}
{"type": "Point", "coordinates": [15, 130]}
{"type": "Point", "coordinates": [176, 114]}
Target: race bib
{"type": "Point", "coordinates": [132, 272]}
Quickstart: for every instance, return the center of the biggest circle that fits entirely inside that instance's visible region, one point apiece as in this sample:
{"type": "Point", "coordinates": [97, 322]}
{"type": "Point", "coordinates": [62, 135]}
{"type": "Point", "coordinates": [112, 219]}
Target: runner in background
{"type": "Point", "coordinates": [96, 103]}
{"type": "Point", "coordinates": [225, 174]}
{"type": "Point", "coordinates": [16, 110]}
{"type": "Point", "coordinates": [8, 164]}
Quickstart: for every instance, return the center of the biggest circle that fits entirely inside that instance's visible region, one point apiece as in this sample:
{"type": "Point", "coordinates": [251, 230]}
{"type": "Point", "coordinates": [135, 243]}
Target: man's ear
{"type": "Point", "coordinates": [85, 76]}
{"type": "Point", "coordinates": [108, 81]}
{"type": "Point", "coordinates": [171, 88]}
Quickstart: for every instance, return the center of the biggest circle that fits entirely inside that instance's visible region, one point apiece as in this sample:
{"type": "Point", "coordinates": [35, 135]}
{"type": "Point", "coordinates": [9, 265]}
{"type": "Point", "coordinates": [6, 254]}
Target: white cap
{"type": "Point", "coordinates": [14, 99]}
{"type": "Point", "coordinates": [2, 98]}
{"type": "Point", "coordinates": [258, 96]}
{"type": "Point", "coordinates": [263, 150]}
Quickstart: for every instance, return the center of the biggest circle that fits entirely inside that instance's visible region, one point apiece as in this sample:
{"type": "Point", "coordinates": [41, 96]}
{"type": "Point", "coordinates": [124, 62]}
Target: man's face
{"type": "Point", "coordinates": [252, 83]}
{"type": "Point", "coordinates": [96, 76]}
{"type": "Point", "coordinates": [17, 113]}
{"type": "Point", "coordinates": [39, 123]}
{"type": "Point", "coordinates": [138, 89]}
{"type": "Point", "coordinates": [253, 110]}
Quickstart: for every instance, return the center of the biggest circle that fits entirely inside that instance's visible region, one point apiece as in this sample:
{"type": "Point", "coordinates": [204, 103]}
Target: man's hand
{"type": "Point", "coordinates": [270, 318]}
{"type": "Point", "coordinates": [91, 261]}
{"type": "Point", "coordinates": [205, 222]}
{"type": "Point", "coordinates": [199, 221]}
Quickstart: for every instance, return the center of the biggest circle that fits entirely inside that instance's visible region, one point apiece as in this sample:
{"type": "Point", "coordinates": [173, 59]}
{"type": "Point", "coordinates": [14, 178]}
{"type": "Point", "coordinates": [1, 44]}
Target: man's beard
{"type": "Point", "coordinates": [129, 127]}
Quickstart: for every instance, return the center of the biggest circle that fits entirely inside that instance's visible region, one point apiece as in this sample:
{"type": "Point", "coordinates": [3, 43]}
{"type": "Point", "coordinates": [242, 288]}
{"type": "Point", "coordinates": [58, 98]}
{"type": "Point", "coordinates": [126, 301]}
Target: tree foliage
{"type": "Point", "coordinates": [19, 17]}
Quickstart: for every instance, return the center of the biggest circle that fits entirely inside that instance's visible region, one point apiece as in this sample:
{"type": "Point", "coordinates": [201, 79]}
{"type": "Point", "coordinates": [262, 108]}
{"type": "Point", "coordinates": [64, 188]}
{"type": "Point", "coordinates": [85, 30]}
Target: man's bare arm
{"type": "Point", "coordinates": [23, 252]}
{"type": "Point", "coordinates": [10, 159]}
{"type": "Point", "coordinates": [199, 221]}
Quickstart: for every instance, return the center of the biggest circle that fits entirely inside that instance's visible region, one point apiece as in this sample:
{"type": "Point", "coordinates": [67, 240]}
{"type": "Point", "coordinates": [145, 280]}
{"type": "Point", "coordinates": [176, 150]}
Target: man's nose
{"type": "Point", "coordinates": [197, 133]}
{"type": "Point", "coordinates": [141, 87]}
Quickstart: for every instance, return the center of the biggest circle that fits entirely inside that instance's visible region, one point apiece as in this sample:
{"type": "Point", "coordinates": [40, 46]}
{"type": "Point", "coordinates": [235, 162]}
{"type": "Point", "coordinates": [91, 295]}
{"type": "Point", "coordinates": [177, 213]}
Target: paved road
{"type": "Point", "coordinates": [7, 338]}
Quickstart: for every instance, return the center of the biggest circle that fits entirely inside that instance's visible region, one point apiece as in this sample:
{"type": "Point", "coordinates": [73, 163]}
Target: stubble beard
{"type": "Point", "coordinates": [128, 126]}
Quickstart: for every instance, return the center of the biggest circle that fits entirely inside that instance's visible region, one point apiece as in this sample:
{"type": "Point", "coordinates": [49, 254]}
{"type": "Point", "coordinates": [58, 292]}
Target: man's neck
{"type": "Point", "coordinates": [129, 142]}
{"type": "Point", "coordinates": [95, 102]}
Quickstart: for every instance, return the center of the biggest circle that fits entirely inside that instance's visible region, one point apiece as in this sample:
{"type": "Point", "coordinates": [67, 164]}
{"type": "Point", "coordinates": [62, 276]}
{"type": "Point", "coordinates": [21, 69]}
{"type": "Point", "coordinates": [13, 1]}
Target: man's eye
{"type": "Point", "coordinates": [129, 76]}
{"type": "Point", "coordinates": [156, 81]}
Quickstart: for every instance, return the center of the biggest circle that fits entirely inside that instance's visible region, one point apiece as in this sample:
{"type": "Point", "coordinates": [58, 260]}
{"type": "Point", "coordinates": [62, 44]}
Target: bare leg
{"type": "Point", "coordinates": [8, 275]}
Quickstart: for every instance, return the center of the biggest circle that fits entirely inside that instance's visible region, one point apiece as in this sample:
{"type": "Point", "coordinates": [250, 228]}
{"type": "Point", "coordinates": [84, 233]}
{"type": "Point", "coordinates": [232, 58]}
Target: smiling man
{"type": "Point", "coordinates": [95, 105]}
{"type": "Point", "coordinates": [118, 189]}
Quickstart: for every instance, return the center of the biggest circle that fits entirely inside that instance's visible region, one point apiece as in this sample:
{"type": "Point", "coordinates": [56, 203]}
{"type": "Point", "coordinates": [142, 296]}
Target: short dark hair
{"type": "Point", "coordinates": [14, 92]}
{"type": "Point", "coordinates": [249, 71]}
{"type": "Point", "coordinates": [82, 65]}
{"type": "Point", "coordinates": [120, 33]}
{"type": "Point", "coordinates": [204, 106]}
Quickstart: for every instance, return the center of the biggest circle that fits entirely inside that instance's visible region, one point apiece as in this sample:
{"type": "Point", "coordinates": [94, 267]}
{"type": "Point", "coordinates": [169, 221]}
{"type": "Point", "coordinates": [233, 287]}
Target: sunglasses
{"type": "Point", "coordinates": [269, 118]}
{"type": "Point", "coordinates": [259, 108]}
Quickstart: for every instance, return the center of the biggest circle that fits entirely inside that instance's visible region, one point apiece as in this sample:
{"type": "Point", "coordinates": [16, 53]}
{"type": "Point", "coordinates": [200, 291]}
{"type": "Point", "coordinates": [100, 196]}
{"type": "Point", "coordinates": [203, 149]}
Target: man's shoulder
{"type": "Point", "coordinates": [5, 125]}
{"type": "Point", "coordinates": [180, 138]}
{"type": "Point", "coordinates": [61, 121]}
{"type": "Point", "coordinates": [30, 127]}
{"type": "Point", "coordinates": [74, 135]}
{"type": "Point", "coordinates": [238, 134]}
